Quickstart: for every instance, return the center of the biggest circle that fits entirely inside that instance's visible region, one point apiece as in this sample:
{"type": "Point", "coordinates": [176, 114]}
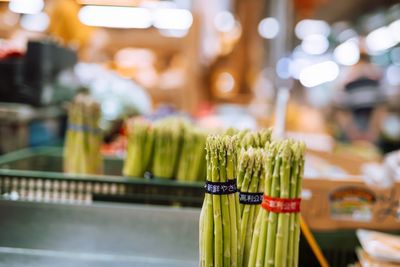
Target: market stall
{"type": "Point", "coordinates": [199, 133]}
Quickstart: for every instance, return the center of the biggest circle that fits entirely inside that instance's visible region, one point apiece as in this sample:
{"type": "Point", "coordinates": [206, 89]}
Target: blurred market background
{"type": "Point", "coordinates": [322, 71]}
{"type": "Point", "coordinates": [340, 61]}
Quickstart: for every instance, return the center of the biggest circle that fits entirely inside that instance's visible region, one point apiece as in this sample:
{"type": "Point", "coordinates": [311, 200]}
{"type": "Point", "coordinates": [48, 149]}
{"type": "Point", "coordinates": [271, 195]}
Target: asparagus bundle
{"type": "Point", "coordinates": [219, 218]}
{"type": "Point", "coordinates": [248, 139]}
{"type": "Point", "coordinates": [255, 138]}
{"type": "Point", "coordinates": [251, 172]}
{"type": "Point", "coordinates": [83, 138]}
{"type": "Point", "coordinates": [140, 146]}
{"type": "Point", "coordinates": [233, 131]}
{"type": "Point", "coordinates": [277, 230]}
{"type": "Point", "coordinates": [167, 143]}
{"type": "Point", "coordinates": [192, 161]}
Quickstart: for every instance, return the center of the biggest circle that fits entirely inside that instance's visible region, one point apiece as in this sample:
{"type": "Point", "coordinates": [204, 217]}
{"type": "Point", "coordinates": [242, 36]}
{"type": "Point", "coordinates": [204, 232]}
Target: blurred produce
{"type": "Point", "coordinates": [192, 162]}
{"type": "Point", "coordinates": [84, 138]}
{"type": "Point", "coordinates": [168, 137]}
{"type": "Point", "coordinates": [139, 147]}
{"type": "Point", "coordinates": [254, 138]}
{"type": "Point", "coordinates": [170, 147]}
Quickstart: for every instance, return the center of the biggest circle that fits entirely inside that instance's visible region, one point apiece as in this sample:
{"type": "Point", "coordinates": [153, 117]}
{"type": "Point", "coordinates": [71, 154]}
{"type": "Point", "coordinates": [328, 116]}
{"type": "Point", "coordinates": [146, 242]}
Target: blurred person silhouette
{"type": "Point", "coordinates": [359, 104]}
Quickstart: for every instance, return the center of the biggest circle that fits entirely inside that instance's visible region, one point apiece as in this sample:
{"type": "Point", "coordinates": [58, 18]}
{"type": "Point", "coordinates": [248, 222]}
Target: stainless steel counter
{"type": "Point", "coordinates": [38, 234]}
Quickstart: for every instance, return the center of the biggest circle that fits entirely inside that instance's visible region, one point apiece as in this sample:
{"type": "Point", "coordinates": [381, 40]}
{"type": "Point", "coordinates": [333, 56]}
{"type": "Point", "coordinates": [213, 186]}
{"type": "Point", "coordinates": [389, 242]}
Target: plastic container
{"type": "Point", "coordinates": [36, 175]}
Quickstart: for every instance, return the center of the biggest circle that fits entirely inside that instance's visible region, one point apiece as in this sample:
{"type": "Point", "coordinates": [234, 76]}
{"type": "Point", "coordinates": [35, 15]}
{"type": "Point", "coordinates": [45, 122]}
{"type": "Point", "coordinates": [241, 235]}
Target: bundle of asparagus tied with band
{"type": "Point", "coordinates": [192, 161]}
{"type": "Point", "coordinates": [251, 139]}
{"type": "Point", "coordinates": [277, 230]}
{"type": "Point", "coordinates": [83, 139]}
{"type": "Point", "coordinates": [219, 218]}
{"type": "Point", "coordinates": [251, 173]}
{"type": "Point", "coordinates": [139, 148]}
{"type": "Point", "coordinates": [168, 135]}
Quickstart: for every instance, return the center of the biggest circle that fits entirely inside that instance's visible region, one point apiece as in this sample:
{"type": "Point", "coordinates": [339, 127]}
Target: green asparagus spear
{"type": "Point", "coordinates": [230, 144]}
{"type": "Point", "coordinates": [293, 194]}
{"type": "Point", "coordinates": [297, 215]}
{"type": "Point", "coordinates": [259, 256]}
{"type": "Point", "coordinates": [218, 230]}
{"type": "Point", "coordinates": [208, 224]}
{"type": "Point", "coordinates": [282, 234]}
{"type": "Point", "coordinates": [272, 220]}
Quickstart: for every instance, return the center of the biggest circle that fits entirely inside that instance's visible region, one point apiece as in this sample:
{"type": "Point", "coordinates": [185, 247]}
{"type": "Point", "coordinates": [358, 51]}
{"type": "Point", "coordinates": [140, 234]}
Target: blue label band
{"type": "Point", "coordinates": [250, 198]}
{"type": "Point", "coordinates": [83, 128]}
{"type": "Point", "coordinates": [221, 188]}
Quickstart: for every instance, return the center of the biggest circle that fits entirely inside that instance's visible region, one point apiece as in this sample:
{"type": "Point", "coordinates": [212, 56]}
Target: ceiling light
{"type": "Point", "coordinates": [315, 44]}
{"type": "Point", "coordinates": [26, 6]}
{"type": "Point", "coordinates": [172, 19]}
{"type": "Point", "coordinates": [224, 21]}
{"type": "Point", "coordinates": [319, 73]}
{"type": "Point", "coordinates": [394, 29]}
{"type": "Point", "coordinates": [35, 22]}
{"type": "Point", "coordinates": [225, 82]}
{"type": "Point", "coordinates": [268, 28]}
{"type": "Point", "coordinates": [116, 17]}
{"type": "Point", "coordinates": [393, 75]}
{"type": "Point", "coordinates": [379, 40]}
{"type": "Point", "coordinates": [308, 27]}
{"type": "Point", "coordinates": [347, 53]}
{"type": "Point", "coordinates": [283, 68]}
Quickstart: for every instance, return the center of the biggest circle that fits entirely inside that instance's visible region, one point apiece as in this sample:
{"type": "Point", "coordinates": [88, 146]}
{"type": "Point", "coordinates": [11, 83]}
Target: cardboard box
{"type": "Point", "coordinates": [348, 203]}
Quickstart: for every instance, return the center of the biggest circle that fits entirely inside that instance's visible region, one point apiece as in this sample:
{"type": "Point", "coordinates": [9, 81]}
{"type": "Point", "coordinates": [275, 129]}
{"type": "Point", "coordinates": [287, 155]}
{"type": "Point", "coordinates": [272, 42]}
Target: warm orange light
{"type": "Point", "coordinates": [224, 84]}
{"type": "Point", "coordinates": [110, 2]}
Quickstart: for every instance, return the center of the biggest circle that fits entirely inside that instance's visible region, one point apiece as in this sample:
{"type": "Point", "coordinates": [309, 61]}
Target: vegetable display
{"type": "Point", "coordinates": [171, 147]}
{"type": "Point", "coordinates": [264, 229]}
{"type": "Point", "coordinates": [83, 138]}
{"type": "Point", "coordinates": [139, 148]}
{"type": "Point", "coordinates": [219, 218]}
{"type": "Point", "coordinates": [277, 229]}
{"type": "Point", "coordinates": [192, 160]}
{"type": "Point", "coordinates": [168, 136]}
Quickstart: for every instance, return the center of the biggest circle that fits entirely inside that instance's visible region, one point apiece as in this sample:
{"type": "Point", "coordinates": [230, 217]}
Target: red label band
{"type": "Point", "coordinates": [281, 205]}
